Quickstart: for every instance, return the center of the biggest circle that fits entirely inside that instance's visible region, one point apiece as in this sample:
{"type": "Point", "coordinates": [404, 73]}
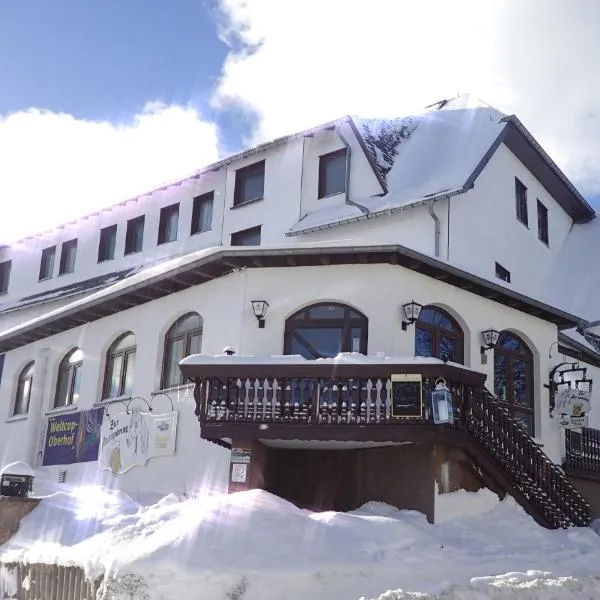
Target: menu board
{"type": "Point", "coordinates": [407, 396]}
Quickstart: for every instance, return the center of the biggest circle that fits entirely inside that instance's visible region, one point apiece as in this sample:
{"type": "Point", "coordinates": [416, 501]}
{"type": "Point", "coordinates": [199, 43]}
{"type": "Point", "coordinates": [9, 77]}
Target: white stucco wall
{"type": "Point", "coordinates": [376, 290]}
{"type": "Point", "coordinates": [485, 228]}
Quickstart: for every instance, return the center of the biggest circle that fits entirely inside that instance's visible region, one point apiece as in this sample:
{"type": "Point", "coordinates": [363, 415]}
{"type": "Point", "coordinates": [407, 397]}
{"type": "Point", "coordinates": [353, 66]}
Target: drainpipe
{"type": "Point", "coordinates": [436, 221]}
{"type": "Point", "coordinates": [364, 209]}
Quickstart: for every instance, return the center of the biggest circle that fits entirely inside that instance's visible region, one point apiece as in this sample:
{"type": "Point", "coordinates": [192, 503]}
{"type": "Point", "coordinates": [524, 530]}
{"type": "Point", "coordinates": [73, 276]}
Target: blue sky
{"type": "Point", "coordinates": [106, 59]}
{"type": "Point", "coordinates": [104, 99]}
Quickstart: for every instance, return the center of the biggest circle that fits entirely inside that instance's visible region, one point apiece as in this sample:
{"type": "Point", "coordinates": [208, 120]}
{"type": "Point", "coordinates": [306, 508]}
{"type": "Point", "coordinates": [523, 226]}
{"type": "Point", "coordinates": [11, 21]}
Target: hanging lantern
{"type": "Point", "coordinates": [441, 402]}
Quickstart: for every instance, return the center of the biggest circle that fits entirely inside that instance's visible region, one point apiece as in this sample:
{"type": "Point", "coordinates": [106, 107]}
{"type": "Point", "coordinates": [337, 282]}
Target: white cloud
{"type": "Point", "coordinates": [56, 167]}
{"type": "Point", "coordinates": [313, 60]}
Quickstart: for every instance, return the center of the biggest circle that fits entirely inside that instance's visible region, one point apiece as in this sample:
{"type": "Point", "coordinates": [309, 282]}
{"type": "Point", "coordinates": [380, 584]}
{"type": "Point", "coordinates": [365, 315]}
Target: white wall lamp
{"type": "Point", "coordinates": [490, 339]}
{"type": "Point", "coordinates": [259, 308]}
{"type": "Point", "coordinates": [412, 310]}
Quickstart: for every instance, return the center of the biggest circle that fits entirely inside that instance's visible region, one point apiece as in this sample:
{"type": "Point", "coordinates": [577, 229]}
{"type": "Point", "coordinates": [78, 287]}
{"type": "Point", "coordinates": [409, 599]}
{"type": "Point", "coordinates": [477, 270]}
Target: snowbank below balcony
{"type": "Point", "coordinates": [209, 547]}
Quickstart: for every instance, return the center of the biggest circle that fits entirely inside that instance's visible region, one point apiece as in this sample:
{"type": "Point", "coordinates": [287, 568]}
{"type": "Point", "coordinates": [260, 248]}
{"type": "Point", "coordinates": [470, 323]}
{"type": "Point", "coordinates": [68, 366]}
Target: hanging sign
{"type": "Point", "coordinates": [572, 406]}
{"type": "Point", "coordinates": [407, 396]}
{"type": "Point", "coordinates": [130, 439]}
{"type": "Point", "coordinates": [71, 438]}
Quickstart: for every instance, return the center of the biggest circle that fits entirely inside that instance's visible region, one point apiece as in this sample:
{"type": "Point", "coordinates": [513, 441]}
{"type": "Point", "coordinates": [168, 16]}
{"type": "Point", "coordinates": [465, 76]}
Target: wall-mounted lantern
{"type": "Point", "coordinates": [260, 311]}
{"type": "Point", "coordinates": [441, 402]}
{"type": "Point", "coordinates": [412, 310]}
{"type": "Point", "coordinates": [490, 339]}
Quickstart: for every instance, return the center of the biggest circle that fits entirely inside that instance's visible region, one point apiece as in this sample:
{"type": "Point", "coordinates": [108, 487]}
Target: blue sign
{"type": "Point", "coordinates": [73, 438]}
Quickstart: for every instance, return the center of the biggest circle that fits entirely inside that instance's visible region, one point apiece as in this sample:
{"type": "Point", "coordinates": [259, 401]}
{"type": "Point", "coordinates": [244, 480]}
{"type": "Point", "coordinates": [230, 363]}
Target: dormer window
{"type": "Point", "coordinates": [249, 184]}
{"type": "Point", "coordinates": [47, 263]}
{"type": "Point", "coordinates": [332, 173]}
{"type": "Point", "coordinates": [108, 241]}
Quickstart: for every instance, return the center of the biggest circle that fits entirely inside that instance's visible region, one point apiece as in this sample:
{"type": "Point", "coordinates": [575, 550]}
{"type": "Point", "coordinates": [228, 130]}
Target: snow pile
{"type": "Point", "coordinates": [253, 545]}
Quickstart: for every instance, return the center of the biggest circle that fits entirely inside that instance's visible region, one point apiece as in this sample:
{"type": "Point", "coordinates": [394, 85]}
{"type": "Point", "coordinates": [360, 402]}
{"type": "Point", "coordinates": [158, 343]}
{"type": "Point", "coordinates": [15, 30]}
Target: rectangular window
{"type": "Point", "coordinates": [108, 240]}
{"type": "Point", "coordinates": [134, 236]}
{"type": "Point", "coordinates": [502, 273]}
{"type": "Point", "coordinates": [542, 214]}
{"type": "Point", "coordinates": [332, 173]}
{"type": "Point", "coordinates": [68, 253]}
{"type": "Point", "coordinates": [249, 183]}
{"type": "Point", "coordinates": [167, 226]}
{"type": "Point", "coordinates": [247, 237]}
{"type": "Point", "coordinates": [202, 213]}
{"type": "Point", "coordinates": [521, 200]}
{"type": "Point", "coordinates": [47, 263]}
{"type": "Point", "coordinates": [5, 275]}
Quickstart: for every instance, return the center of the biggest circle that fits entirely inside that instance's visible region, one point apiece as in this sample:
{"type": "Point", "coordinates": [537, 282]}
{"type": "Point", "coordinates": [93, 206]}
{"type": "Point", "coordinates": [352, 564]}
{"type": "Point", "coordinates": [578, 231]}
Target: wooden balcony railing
{"type": "Point", "coordinates": [583, 450]}
{"type": "Point", "coordinates": [317, 400]}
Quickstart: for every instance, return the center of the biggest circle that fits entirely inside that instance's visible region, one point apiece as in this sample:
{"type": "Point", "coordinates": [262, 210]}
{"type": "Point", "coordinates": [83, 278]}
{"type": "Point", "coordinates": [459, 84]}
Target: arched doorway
{"type": "Point", "coordinates": [438, 334]}
{"type": "Point", "coordinates": [324, 330]}
{"type": "Point", "coordinates": [513, 378]}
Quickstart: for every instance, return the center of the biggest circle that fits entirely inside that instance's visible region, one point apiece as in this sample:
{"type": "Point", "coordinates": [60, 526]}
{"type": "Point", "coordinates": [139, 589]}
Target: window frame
{"type": "Point", "coordinates": [70, 246]}
{"type": "Point", "coordinates": [72, 368]}
{"type": "Point", "coordinates": [47, 260]}
{"type": "Point", "coordinates": [107, 243]}
{"type": "Point", "coordinates": [5, 269]}
{"type": "Point", "coordinates": [438, 332]}
{"type": "Point", "coordinates": [502, 273]}
{"type": "Point", "coordinates": [26, 375]}
{"type": "Point", "coordinates": [199, 202]}
{"type": "Point", "coordinates": [111, 355]}
{"type": "Point", "coordinates": [241, 176]}
{"type": "Point", "coordinates": [526, 357]}
{"type": "Point", "coordinates": [324, 161]}
{"type": "Point", "coordinates": [167, 212]}
{"type": "Point", "coordinates": [248, 231]}
{"type": "Point", "coordinates": [301, 320]}
{"type": "Point", "coordinates": [133, 225]}
{"type": "Point", "coordinates": [542, 220]}
{"type": "Point", "coordinates": [522, 208]}
{"type": "Point", "coordinates": [186, 336]}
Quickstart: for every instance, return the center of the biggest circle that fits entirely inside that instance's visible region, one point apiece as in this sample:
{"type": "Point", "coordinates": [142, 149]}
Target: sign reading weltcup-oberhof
{"type": "Point", "coordinates": [572, 406]}
{"type": "Point", "coordinates": [132, 438]}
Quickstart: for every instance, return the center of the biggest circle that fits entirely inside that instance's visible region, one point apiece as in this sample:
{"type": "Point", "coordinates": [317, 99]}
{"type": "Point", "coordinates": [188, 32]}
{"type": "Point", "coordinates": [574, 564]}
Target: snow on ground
{"type": "Point", "coordinates": [209, 547]}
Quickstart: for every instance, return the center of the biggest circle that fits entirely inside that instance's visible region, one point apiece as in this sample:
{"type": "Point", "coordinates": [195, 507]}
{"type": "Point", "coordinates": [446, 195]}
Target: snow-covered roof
{"type": "Point", "coordinates": [210, 263]}
{"type": "Point", "coordinates": [439, 153]}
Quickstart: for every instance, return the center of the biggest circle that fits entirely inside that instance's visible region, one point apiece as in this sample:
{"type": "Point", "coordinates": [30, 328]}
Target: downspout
{"type": "Point", "coordinates": [347, 182]}
{"type": "Point", "coordinates": [436, 221]}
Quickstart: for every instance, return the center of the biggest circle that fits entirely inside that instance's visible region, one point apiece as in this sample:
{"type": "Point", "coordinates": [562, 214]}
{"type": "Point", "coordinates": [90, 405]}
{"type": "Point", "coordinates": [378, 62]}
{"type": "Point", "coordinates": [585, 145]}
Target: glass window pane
{"type": "Point", "coordinates": [115, 366]}
{"type": "Point", "coordinates": [195, 344]}
{"type": "Point", "coordinates": [436, 317]}
{"type": "Point", "coordinates": [321, 343]}
{"type": "Point", "coordinates": [127, 341]}
{"type": "Point", "coordinates": [334, 174]}
{"type": "Point", "coordinates": [185, 324]}
{"type": "Point", "coordinates": [521, 378]}
{"type": "Point", "coordinates": [451, 348]}
{"type": "Point", "coordinates": [129, 372]}
{"type": "Point", "coordinates": [356, 339]}
{"type": "Point", "coordinates": [423, 342]}
{"type": "Point", "coordinates": [512, 343]}
{"type": "Point", "coordinates": [22, 399]}
{"type": "Point", "coordinates": [254, 184]}
{"type": "Point", "coordinates": [174, 351]}
{"type": "Point", "coordinates": [524, 419]}
{"type": "Point", "coordinates": [326, 311]}
{"type": "Point", "coordinates": [76, 383]}
{"type": "Point", "coordinates": [62, 388]}
{"type": "Point", "coordinates": [501, 376]}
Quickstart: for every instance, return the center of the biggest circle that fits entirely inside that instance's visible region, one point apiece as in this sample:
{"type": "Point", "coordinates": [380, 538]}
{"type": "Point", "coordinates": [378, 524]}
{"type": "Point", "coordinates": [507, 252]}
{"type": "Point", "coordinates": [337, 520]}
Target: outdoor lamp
{"type": "Point", "coordinates": [260, 311]}
{"type": "Point", "coordinates": [441, 403]}
{"type": "Point", "coordinates": [412, 310]}
{"type": "Point", "coordinates": [490, 339]}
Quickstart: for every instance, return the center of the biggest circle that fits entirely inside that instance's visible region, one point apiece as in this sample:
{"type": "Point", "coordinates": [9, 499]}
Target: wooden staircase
{"type": "Point", "coordinates": [537, 483]}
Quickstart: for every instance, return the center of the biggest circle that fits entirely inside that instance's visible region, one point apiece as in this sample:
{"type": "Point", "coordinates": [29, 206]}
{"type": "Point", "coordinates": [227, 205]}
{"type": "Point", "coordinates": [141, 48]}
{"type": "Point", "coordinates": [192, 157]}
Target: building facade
{"type": "Point", "coordinates": [336, 229]}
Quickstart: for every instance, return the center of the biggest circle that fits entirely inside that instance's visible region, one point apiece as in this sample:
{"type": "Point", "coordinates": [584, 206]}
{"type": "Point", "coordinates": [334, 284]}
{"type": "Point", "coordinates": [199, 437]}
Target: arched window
{"type": "Point", "coordinates": [324, 330]}
{"type": "Point", "coordinates": [438, 334]}
{"type": "Point", "coordinates": [513, 378]}
{"type": "Point", "coordinates": [120, 363]}
{"type": "Point", "coordinates": [69, 377]}
{"type": "Point", "coordinates": [21, 406]}
{"type": "Point", "coordinates": [183, 338]}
